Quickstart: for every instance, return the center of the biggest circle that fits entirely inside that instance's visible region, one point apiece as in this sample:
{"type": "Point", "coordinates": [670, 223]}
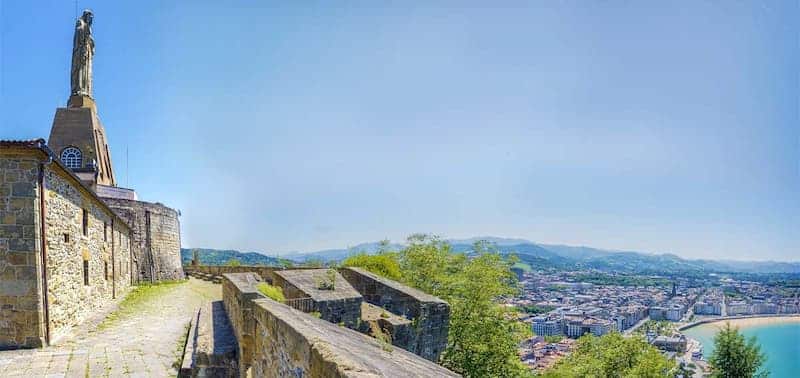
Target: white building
{"type": "Point", "coordinates": [543, 326]}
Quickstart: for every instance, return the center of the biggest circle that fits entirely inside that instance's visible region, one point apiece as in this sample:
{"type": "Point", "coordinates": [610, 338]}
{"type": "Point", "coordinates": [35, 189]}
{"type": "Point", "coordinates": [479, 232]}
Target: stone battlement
{"type": "Point", "coordinates": [276, 340]}
{"type": "Point", "coordinates": [430, 314]}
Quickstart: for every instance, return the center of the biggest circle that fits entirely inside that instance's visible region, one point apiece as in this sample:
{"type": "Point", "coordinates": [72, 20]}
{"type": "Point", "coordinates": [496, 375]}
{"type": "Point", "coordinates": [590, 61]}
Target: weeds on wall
{"type": "Point", "coordinates": [273, 292]}
{"type": "Point", "coordinates": [329, 281]}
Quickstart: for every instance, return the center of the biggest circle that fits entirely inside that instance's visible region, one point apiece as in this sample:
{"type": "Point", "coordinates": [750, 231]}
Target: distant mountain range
{"type": "Point", "coordinates": [221, 257]}
{"type": "Point", "coordinates": [538, 256]}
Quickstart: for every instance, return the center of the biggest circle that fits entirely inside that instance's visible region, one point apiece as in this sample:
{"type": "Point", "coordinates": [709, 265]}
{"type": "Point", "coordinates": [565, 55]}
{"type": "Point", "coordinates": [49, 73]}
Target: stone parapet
{"type": "Point", "coordinates": [339, 304]}
{"type": "Point", "coordinates": [429, 314]}
{"type": "Point", "coordinates": [265, 272]}
{"type": "Point", "coordinates": [278, 341]}
{"type": "Point", "coordinates": [239, 290]}
{"type": "Point", "coordinates": [211, 349]}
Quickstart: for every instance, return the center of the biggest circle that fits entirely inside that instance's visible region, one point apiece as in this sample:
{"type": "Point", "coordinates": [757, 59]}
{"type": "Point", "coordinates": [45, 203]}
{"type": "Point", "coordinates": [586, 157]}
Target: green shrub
{"type": "Point", "coordinates": [383, 264]}
{"type": "Point", "coordinates": [273, 292]}
{"type": "Point", "coordinates": [613, 355]}
{"type": "Point", "coordinates": [233, 262]}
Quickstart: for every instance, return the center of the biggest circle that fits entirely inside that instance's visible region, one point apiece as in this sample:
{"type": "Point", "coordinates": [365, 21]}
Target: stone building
{"type": "Point", "coordinates": [64, 253]}
{"type": "Point", "coordinates": [78, 140]}
{"type": "Point", "coordinates": [70, 239]}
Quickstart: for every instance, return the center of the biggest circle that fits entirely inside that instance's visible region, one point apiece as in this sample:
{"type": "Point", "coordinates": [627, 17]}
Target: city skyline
{"type": "Point", "coordinates": [617, 126]}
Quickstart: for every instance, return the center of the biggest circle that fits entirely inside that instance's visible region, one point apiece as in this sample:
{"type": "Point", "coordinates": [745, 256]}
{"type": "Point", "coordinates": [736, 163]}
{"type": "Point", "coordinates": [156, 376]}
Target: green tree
{"type": "Point", "coordinates": [233, 262]}
{"type": "Point", "coordinates": [483, 336]}
{"type": "Point", "coordinates": [613, 355]}
{"type": "Point", "coordinates": [734, 356]}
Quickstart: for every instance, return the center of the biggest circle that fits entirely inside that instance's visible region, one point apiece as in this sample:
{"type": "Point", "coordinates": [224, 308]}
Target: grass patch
{"type": "Point", "coordinates": [136, 299]}
{"type": "Point", "coordinates": [180, 348]}
{"type": "Point", "coordinates": [273, 292]}
{"type": "Point", "coordinates": [382, 335]}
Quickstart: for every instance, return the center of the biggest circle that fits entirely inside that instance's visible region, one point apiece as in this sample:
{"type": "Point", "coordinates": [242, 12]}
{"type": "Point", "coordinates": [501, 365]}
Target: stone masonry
{"type": "Point", "coordinates": [86, 246]}
{"type": "Point", "coordinates": [156, 239]}
{"type": "Point", "coordinates": [430, 316]}
{"type": "Point", "coordinates": [342, 304]}
{"type": "Point", "coordinates": [278, 341]}
{"type": "Point", "coordinates": [104, 246]}
{"type": "Point", "coordinates": [79, 126]}
{"type": "Point", "coordinates": [21, 316]}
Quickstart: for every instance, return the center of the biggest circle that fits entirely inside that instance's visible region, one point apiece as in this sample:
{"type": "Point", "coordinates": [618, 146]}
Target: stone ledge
{"type": "Point", "coordinates": [211, 348]}
{"type": "Point", "coordinates": [350, 274]}
{"type": "Point", "coordinates": [298, 344]}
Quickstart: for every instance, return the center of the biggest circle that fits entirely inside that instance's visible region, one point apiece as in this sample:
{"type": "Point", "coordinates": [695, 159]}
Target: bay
{"type": "Point", "coordinates": [779, 340]}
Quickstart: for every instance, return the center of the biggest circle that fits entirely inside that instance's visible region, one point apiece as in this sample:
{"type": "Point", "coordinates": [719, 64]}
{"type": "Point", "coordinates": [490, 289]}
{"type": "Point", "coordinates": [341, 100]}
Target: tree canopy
{"type": "Point", "coordinates": [613, 355]}
{"type": "Point", "coordinates": [734, 356]}
{"type": "Point", "coordinates": [484, 336]}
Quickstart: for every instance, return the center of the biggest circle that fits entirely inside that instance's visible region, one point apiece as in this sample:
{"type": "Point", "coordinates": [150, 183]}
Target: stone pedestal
{"type": "Point", "coordinates": [80, 101]}
{"type": "Point", "coordinates": [78, 126]}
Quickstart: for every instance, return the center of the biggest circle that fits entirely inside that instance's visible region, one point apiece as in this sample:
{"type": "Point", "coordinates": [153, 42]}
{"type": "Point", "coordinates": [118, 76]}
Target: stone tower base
{"type": "Point", "coordinates": [156, 239]}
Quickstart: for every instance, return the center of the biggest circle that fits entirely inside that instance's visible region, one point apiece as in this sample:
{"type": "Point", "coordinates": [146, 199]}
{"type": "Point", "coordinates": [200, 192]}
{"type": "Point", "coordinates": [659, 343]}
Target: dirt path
{"type": "Point", "coordinates": [142, 340]}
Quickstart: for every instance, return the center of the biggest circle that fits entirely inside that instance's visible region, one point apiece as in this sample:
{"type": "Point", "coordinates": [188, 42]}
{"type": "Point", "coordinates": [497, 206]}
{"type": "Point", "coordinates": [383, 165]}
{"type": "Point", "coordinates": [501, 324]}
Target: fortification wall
{"type": "Point", "coordinates": [265, 272]}
{"type": "Point", "coordinates": [156, 239]}
{"type": "Point", "coordinates": [340, 305]}
{"type": "Point", "coordinates": [21, 320]}
{"type": "Point", "coordinates": [430, 315]}
{"type": "Point", "coordinates": [278, 341]}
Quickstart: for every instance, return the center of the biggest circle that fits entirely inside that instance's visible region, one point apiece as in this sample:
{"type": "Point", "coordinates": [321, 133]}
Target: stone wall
{"type": "Point", "coordinates": [99, 247]}
{"type": "Point", "coordinates": [238, 292]}
{"type": "Point", "coordinates": [342, 304]}
{"type": "Point", "coordinates": [156, 239]}
{"type": "Point", "coordinates": [430, 315]}
{"type": "Point", "coordinates": [265, 272]}
{"type": "Point", "coordinates": [87, 261]}
{"type": "Point", "coordinates": [278, 341]}
{"type": "Point", "coordinates": [21, 316]}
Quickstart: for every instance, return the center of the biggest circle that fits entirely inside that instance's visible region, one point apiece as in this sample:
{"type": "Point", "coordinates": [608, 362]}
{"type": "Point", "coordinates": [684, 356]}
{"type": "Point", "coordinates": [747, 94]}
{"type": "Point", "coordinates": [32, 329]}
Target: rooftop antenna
{"type": "Point", "coordinates": [127, 169]}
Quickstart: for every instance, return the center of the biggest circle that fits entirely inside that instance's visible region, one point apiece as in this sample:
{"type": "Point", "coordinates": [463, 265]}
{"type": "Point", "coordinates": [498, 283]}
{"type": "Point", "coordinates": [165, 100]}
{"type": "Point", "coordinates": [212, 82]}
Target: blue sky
{"type": "Point", "coordinates": [279, 127]}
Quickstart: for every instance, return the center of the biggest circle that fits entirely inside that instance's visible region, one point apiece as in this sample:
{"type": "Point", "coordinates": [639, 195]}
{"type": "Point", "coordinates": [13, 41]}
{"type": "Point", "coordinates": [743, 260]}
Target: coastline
{"type": "Point", "coordinates": [746, 320]}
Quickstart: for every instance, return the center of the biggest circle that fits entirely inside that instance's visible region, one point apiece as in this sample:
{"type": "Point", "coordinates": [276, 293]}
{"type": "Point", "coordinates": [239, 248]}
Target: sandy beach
{"type": "Point", "coordinates": [755, 321]}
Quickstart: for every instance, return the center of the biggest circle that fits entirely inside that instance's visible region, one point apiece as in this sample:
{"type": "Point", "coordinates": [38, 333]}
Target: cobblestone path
{"type": "Point", "coordinates": [140, 343]}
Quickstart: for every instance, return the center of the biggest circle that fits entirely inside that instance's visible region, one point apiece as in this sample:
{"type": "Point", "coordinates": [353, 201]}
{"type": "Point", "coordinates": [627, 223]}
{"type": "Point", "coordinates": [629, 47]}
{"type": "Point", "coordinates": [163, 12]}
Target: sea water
{"type": "Point", "coordinates": [780, 342]}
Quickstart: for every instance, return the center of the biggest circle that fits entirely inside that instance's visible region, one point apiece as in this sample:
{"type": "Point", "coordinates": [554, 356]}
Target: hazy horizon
{"type": "Point", "coordinates": [296, 253]}
{"type": "Point", "coordinates": [656, 127]}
